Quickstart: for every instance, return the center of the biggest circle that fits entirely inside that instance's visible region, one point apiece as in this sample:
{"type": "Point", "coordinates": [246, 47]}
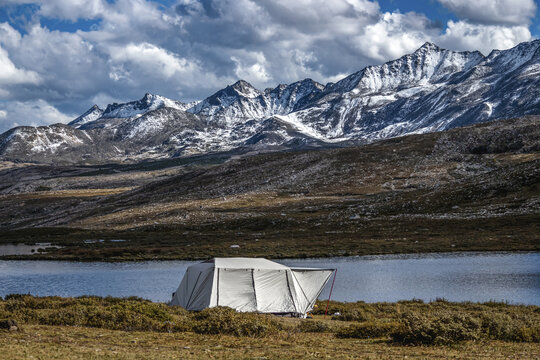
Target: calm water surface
{"type": "Point", "coordinates": [514, 278]}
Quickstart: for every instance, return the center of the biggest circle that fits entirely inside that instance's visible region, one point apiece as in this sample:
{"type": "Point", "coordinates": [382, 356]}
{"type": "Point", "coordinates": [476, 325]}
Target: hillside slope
{"type": "Point", "coordinates": [472, 188]}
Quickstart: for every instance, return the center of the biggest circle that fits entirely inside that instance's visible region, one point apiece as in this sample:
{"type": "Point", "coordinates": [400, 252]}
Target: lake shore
{"type": "Point", "coordinates": [93, 327]}
{"type": "Point", "coordinates": [369, 237]}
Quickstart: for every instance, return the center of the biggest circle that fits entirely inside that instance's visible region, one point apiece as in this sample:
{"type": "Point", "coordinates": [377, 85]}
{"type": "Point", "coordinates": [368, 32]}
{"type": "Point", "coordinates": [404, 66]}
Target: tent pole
{"type": "Point", "coordinates": [330, 295]}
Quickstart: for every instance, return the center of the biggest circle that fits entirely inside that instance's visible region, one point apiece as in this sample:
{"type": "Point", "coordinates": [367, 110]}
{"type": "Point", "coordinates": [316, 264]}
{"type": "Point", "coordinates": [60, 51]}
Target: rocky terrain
{"type": "Point", "coordinates": [469, 188]}
{"type": "Point", "coordinates": [432, 89]}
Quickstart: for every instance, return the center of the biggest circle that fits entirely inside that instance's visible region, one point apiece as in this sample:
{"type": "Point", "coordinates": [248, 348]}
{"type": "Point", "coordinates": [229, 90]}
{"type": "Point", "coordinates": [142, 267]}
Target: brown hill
{"type": "Point", "coordinates": [471, 188]}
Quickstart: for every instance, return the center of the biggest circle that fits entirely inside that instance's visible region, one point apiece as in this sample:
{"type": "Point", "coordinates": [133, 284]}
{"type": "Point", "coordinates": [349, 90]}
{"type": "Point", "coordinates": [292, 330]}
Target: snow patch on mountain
{"type": "Point", "coordinates": [432, 89]}
{"type": "Point", "coordinates": [90, 115]}
{"type": "Point", "coordinates": [148, 103]}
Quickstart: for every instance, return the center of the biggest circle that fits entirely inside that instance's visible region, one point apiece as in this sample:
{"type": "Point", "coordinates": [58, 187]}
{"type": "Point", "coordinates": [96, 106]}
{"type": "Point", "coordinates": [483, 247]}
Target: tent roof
{"type": "Point", "coordinates": [246, 263]}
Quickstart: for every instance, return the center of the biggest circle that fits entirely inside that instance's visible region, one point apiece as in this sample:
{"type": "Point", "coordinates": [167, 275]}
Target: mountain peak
{"type": "Point", "coordinates": [245, 89]}
{"type": "Point", "coordinates": [428, 47]}
{"type": "Point", "coordinates": [149, 98]}
{"type": "Point", "coordinates": [241, 83]}
{"type": "Point", "coordinates": [431, 89]}
{"type": "Point", "coordinates": [91, 114]}
{"type": "Point", "coordinates": [149, 102]}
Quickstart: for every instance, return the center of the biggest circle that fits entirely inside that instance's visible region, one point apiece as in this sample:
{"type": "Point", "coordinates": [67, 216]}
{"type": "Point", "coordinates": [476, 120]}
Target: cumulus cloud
{"type": "Point", "coordinates": [395, 34]}
{"type": "Point", "coordinates": [254, 69]}
{"type": "Point", "coordinates": [68, 65]}
{"type": "Point", "coordinates": [465, 36]}
{"type": "Point", "coordinates": [194, 47]}
{"type": "Point", "coordinates": [10, 74]}
{"type": "Point", "coordinates": [34, 113]}
{"type": "Point", "coordinates": [67, 9]}
{"type": "Point", "coordinates": [73, 9]}
{"type": "Point", "coordinates": [506, 12]}
{"type": "Point", "coordinates": [8, 35]}
{"type": "Point", "coordinates": [150, 59]}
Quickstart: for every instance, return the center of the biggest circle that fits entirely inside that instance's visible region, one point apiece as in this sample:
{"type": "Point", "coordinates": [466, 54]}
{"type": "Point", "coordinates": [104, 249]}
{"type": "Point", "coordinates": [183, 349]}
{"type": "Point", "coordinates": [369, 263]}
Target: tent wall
{"type": "Point", "coordinates": [273, 293]}
{"type": "Point", "coordinates": [271, 289]}
{"type": "Point", "coordinates": [236, 290]}
{"type": "Point", "coordinates": [310, 284]}
{"type": "Point", "coordinates": [200, 295]}
{"type": "Point", "coordinates": [194, 291]}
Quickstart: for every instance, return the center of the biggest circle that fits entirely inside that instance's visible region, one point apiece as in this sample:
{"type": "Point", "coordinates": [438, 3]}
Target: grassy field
{"type": "Point", "coordinates": [62, 342]}
{"type": "Point", "coordinates": [93, 327]}
{"type": "Point", "coordinates": [285, 238]}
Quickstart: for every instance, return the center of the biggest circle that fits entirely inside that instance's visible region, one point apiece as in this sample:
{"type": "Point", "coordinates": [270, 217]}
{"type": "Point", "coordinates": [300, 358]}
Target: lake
{"type": "Point", "coordinates": [478, 277]}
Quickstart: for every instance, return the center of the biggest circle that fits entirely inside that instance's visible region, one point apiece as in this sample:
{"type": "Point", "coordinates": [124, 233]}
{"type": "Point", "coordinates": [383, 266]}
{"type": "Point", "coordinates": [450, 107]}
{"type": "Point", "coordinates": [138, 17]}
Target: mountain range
{"type": "Point", "coordinates": [430, 90]}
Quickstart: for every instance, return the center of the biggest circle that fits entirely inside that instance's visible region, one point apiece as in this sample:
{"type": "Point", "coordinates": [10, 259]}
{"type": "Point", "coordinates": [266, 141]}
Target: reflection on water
{"type": "Point", "coordinates": [457, 277]}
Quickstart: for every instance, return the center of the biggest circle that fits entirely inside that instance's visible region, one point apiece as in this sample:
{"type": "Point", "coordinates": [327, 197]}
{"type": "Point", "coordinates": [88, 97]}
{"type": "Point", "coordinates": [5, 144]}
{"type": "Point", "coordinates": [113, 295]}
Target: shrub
{"type": "Point", "coordinates": [352, 315]}
{"type": "Point", "coordinates": [412, 301]}
{"type": "Point", "coordinates": [313, 326]}
{"type": "Point", "coordinates": [224, 320]}
{"type": "Point", "coordinates": [110, 313]}
{"type": "Point", "coordinates": [504, 327]}
{"type": "Point", "coordinates": [527, 334]}
{"type": "Point", "coordinates": [368, 330]}
{"type": "Point", "coordinates": [437, 330]}
{"type": "Point", "coordinates": [408, 322]}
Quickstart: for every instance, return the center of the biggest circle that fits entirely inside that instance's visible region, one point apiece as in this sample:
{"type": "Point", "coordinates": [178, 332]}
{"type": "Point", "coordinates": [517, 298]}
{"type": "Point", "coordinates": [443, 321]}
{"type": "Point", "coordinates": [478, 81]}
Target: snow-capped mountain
{"type": "Point", "coordinates": [90, 115]}
{"type": "Point", "coordinates": [148, 103]}
{"type": "Point", "coordinates": [432, 89]}
{"type": "Point", "coordinates": [241, 101]}
{"type": "Point", "coordinates": [58, 142]}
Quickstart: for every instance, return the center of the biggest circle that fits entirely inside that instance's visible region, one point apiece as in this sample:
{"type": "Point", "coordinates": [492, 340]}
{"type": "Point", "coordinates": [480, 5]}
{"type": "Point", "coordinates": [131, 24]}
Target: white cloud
{"type": "Point", "coordinates": [464, 36]}
{"type": "Point", "coordinates": [394, 35]}
{"type": "Point", "coordinates": [151, 59]}
{"type": "Point", "coordinates": [193, 48]}
{"type": "Point", "coordinates": [8, 35]}
{"type": "Point", "coordinates": [319, 16]}
{"type": "Point", "coordinates": [66, 9]}
{"type": "Point", "coordinates": [69, 66]}
{"type": "Point", "coordinates": [10, 74]}
{"type": "Point", "coordinates": [35, 113]}
{"type": "Point", "coordinates": [252, 68]}
{"type": "Point", "coordinates": [73, 9]}
{"type": "Point", "coordinates": [509, 12]}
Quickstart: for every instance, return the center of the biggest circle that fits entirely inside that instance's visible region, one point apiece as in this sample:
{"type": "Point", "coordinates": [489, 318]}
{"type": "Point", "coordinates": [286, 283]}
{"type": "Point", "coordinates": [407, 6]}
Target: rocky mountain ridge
{"type": "Point", "coordinates": [432, 89]}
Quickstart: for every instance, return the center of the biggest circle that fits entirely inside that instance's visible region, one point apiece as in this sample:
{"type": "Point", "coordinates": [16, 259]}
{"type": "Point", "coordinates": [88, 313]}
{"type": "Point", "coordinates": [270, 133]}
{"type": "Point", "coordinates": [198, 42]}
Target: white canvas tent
{"type": "Point", "coordinates": [250, 285]}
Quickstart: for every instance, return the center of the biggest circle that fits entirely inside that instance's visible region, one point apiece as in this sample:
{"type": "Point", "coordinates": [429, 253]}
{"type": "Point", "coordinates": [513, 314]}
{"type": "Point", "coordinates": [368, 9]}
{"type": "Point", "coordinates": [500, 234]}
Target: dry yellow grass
{"type": "Point", "coordinates": [230, 207]}
{"type": "Point", "coordinates": [59, 342]}
{"type": "Point", "coordinates": [72, 193]}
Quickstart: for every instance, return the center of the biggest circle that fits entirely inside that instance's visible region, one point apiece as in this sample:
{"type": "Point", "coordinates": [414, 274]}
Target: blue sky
{"type": "Point", "coordinates": [60, 57]}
